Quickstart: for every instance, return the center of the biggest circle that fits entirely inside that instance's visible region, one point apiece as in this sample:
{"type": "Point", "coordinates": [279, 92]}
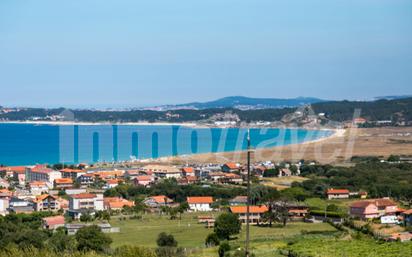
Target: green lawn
{"type": "Point", "coordinates": [191, 235]}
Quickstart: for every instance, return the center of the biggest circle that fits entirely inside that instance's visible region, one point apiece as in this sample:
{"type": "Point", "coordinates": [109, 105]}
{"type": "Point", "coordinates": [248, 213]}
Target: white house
{"type": "Point", "coordinates": [200, 203]}
{"type": "Point", "coordinates": [337, 193]}
{"type": "Point", "coordinates": [85, 203]}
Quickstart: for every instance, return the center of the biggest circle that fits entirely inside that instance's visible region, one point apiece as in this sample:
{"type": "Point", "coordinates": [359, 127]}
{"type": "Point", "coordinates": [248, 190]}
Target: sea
{"type": "Point", "coordinates": [29, 144]}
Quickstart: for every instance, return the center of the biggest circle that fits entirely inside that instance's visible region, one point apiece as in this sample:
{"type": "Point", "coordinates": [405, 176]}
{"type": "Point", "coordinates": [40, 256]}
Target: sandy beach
{"type": "Point", "coordinates": [338, 148]}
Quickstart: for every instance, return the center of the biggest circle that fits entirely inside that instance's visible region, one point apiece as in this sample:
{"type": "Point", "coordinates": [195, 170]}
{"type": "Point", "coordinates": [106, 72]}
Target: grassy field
{"type": "Point", "coordinates": [364, 247]}
{"type": "Point", "coordinates": [191, 235]}
{"type": "Point", "coordinates": [281, 183]}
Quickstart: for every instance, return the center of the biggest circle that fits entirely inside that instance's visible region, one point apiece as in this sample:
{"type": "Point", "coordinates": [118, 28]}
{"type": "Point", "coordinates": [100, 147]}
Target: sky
{"type": "Point", "coordinates": [131, 53]}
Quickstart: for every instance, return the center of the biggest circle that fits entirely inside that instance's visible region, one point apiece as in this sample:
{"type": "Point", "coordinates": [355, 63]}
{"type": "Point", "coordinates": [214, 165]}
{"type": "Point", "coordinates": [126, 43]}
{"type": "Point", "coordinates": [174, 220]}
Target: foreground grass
{"type": "Point", "coordinates": [189, 234]}
{"type": "Point", "coordinates": [365, 247]}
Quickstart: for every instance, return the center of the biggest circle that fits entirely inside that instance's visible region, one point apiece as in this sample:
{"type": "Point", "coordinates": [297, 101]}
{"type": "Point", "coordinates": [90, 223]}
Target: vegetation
{"type": "Point", "coordinates": [378, 179]}
{"type": "Point", "coordinates": [226, 225]}
{"type": "Point", "coordinates": [394, 110]}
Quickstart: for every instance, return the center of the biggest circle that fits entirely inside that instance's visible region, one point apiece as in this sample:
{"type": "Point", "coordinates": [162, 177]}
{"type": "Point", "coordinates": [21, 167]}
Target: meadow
{"type": "Point", "coordinates": [191, 235]}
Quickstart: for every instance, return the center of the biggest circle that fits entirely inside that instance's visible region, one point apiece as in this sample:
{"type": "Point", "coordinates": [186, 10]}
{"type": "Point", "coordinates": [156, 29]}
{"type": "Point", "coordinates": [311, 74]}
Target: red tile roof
{"type": "Point", "coordinates": [55, 220]}
{"type": "Point", "coordinates": [63, 181]}
{"type": "Point", "coordinates": [231, 165]}
{"type": "Point", "coordinates": [144, 178]}
{"type": "Point", "coordinates": [161, 199]}
{"type": "Point", "coordinates": [72, 171]}
{"type": "Point", "coordinates": [188, 169]}
{"type": "Point", "coordinates": [383, 202]}
{"type": "Point", "coordinates": [83, 196]}
{"type": "Point", "coordinates": [252, 209]}
{"type": "Point", "coordinates": [333, 191]}
{"type": "Point", "coordinates": [199, 199]}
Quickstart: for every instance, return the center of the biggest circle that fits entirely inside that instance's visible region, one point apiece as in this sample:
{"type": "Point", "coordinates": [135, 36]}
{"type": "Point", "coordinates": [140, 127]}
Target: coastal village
{"type": "Point", "coordinates": [76, 196]}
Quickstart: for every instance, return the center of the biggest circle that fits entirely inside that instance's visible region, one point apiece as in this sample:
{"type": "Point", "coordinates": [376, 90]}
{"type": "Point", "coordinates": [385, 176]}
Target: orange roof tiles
{"type": "Point", "coordinates": [83, 196]}
{"type": "Point", "coordinates": [199, 199]}
{"type": "Point", "coordinates": [72, 170]}
{"type": "Point", "coordinates": [63, 181]}
{"type": "Point", "coordinates": [161, 199]}
{"type": "Point", "coordinates": [188, 169]}
{"type": "Point", "coordinates": [55, 220]}
{"type": "Point", "coordinates": [252, 209]}
{"type": "Point", "coordinates": [231, 165]}
{"type": "Point", "coordinates": [333, 191]}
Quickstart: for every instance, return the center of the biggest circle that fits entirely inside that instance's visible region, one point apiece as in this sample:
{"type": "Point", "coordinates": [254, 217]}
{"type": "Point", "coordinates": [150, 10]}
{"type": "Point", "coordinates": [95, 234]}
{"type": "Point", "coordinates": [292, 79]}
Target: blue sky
{"type": "Point", "coordinates": [114, 53]}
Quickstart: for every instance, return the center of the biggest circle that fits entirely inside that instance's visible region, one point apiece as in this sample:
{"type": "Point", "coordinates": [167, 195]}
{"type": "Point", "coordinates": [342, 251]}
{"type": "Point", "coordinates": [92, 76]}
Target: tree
{"type": "Point", "coordinates": [60, 242]}
{"type": "Point", "coordinates": [91, 238]}
{"type": "Point", "coordinates": [86, 217]}
{"type": "Point", "coordinates": [226, 225]}
{"type": "Point", "coordinates": [165, 240]}
{"type": "Point", "coordinates": [182, 208]}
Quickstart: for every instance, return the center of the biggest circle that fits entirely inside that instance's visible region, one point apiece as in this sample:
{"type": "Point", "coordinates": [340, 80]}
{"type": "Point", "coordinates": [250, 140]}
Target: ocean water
{"type": "Point", "coordinates": [26, 144]}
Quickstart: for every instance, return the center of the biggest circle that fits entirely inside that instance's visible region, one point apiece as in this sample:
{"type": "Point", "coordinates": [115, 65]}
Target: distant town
{"type": "Point", "coordinates": [118, 199]}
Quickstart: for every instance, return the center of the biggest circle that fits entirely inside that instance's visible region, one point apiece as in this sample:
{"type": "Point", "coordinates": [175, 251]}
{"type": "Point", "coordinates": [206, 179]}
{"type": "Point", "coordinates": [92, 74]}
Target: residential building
{"type": "Point", "coordinates": [53, 222]}
{"type": "Point", "coordinates": [4, 206]}
{"type": "Point", "coordinates": [5, 193]}
{"type": "Point", "coordinates": [188, 171]}
{"type": "Point", "coordinates": [255, 213]}
{"type": "Point", "coordinates": [85, 203]}
{"type": "Point", "coordinates": [116, 203]}
{"type": "Point", "coordinates": [18, 205]}
{"type": "Point", "coordinates": [337, 193]}
{"type": "Point", "coordinates": [38, 187]}
{"type": "Point", "coordinates": [63, 183]}
{"type": "Point", "coordinates": [158, 201]}
{"type": "Point", "coordinates": [143, 180]}
{"type": "Point", "coordinates": [72, 173]}
{"type": "Point", "coordinates": [42, 173]}
{"type": "Point", "coordinates": [374, 208]}
{"type": "Point", "coordinates": [46, 202]}
{"type": "Point", "coordinates": [85, 180]}
{"type": "Point", "coordinates": [238, 200]}
{"type": "Point", "coordinates": [200, 203]}
{"type": "Point", "coordinates": [230, 167]}
{"type": "Point", "coordinates": [163, 171]}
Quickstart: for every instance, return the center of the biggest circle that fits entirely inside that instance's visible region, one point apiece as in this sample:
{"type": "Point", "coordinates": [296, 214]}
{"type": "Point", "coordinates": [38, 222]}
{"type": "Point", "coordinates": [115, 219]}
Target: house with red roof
{"type": "Point", "coordinates": [72, 173]}
{"type": "Point", "coordinates": [38, 187]}
{"type": "Point", "coordinates": [143, 180]}
{"type": "Point", "coordinates": [46, 202]}
{"type": "Point", "coordinates": [333, 193]}
{"type": "Point", "coordinates": [116, 203]}
{"type": "Point", "coordinates": [255, 213]}
{"type": "Point", "coordinates": [188, 171]}
{"type": "Point", "coordinates": [158, 201]}
{"type": "Point", "coordinates": [374, 208]}
{"type": "Point", "coordinates": [231, 167]}
{"type": "Point", "coordinates": [200, 203]}
{"type": "Point", "coordinates": [53, 222]}
{"type": "Point", "coordinates": [85, 203]}
{"type": "Point", "coordinates": [63, 183]}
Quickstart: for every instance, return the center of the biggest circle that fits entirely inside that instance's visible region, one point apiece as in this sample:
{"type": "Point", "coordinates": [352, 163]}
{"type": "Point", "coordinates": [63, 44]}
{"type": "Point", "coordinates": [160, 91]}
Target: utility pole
{"type": "Point", "coordinates": [248, 196]}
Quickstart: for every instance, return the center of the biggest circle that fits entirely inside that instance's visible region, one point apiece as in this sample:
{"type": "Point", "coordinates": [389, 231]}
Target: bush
{"type": "Point", "coordinates": [223, 249]}
{"type": "Point", "coordinates": [212, 240]}
{"type": "Point", "coordinates": [165, 240]}
{"type": "Point", "coordinates": [91, 238]}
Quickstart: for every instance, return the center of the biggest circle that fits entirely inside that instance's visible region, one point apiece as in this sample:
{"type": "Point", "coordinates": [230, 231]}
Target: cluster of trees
{"type": "Point", "coordinates": [171, 189]}
{"type": "Point", "coordinates": [378, 179]}
{"type": "Point", "coordinates": [336, 110]}
{"type": "Point", "coordinates": [25, 231]}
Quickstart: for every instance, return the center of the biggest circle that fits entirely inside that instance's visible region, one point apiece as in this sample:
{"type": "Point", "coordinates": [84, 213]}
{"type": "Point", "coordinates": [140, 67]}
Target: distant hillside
{"type": "Point", "coordinates": [395, 112]}
{"type": "Point", "coordinates": [241, 102]}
